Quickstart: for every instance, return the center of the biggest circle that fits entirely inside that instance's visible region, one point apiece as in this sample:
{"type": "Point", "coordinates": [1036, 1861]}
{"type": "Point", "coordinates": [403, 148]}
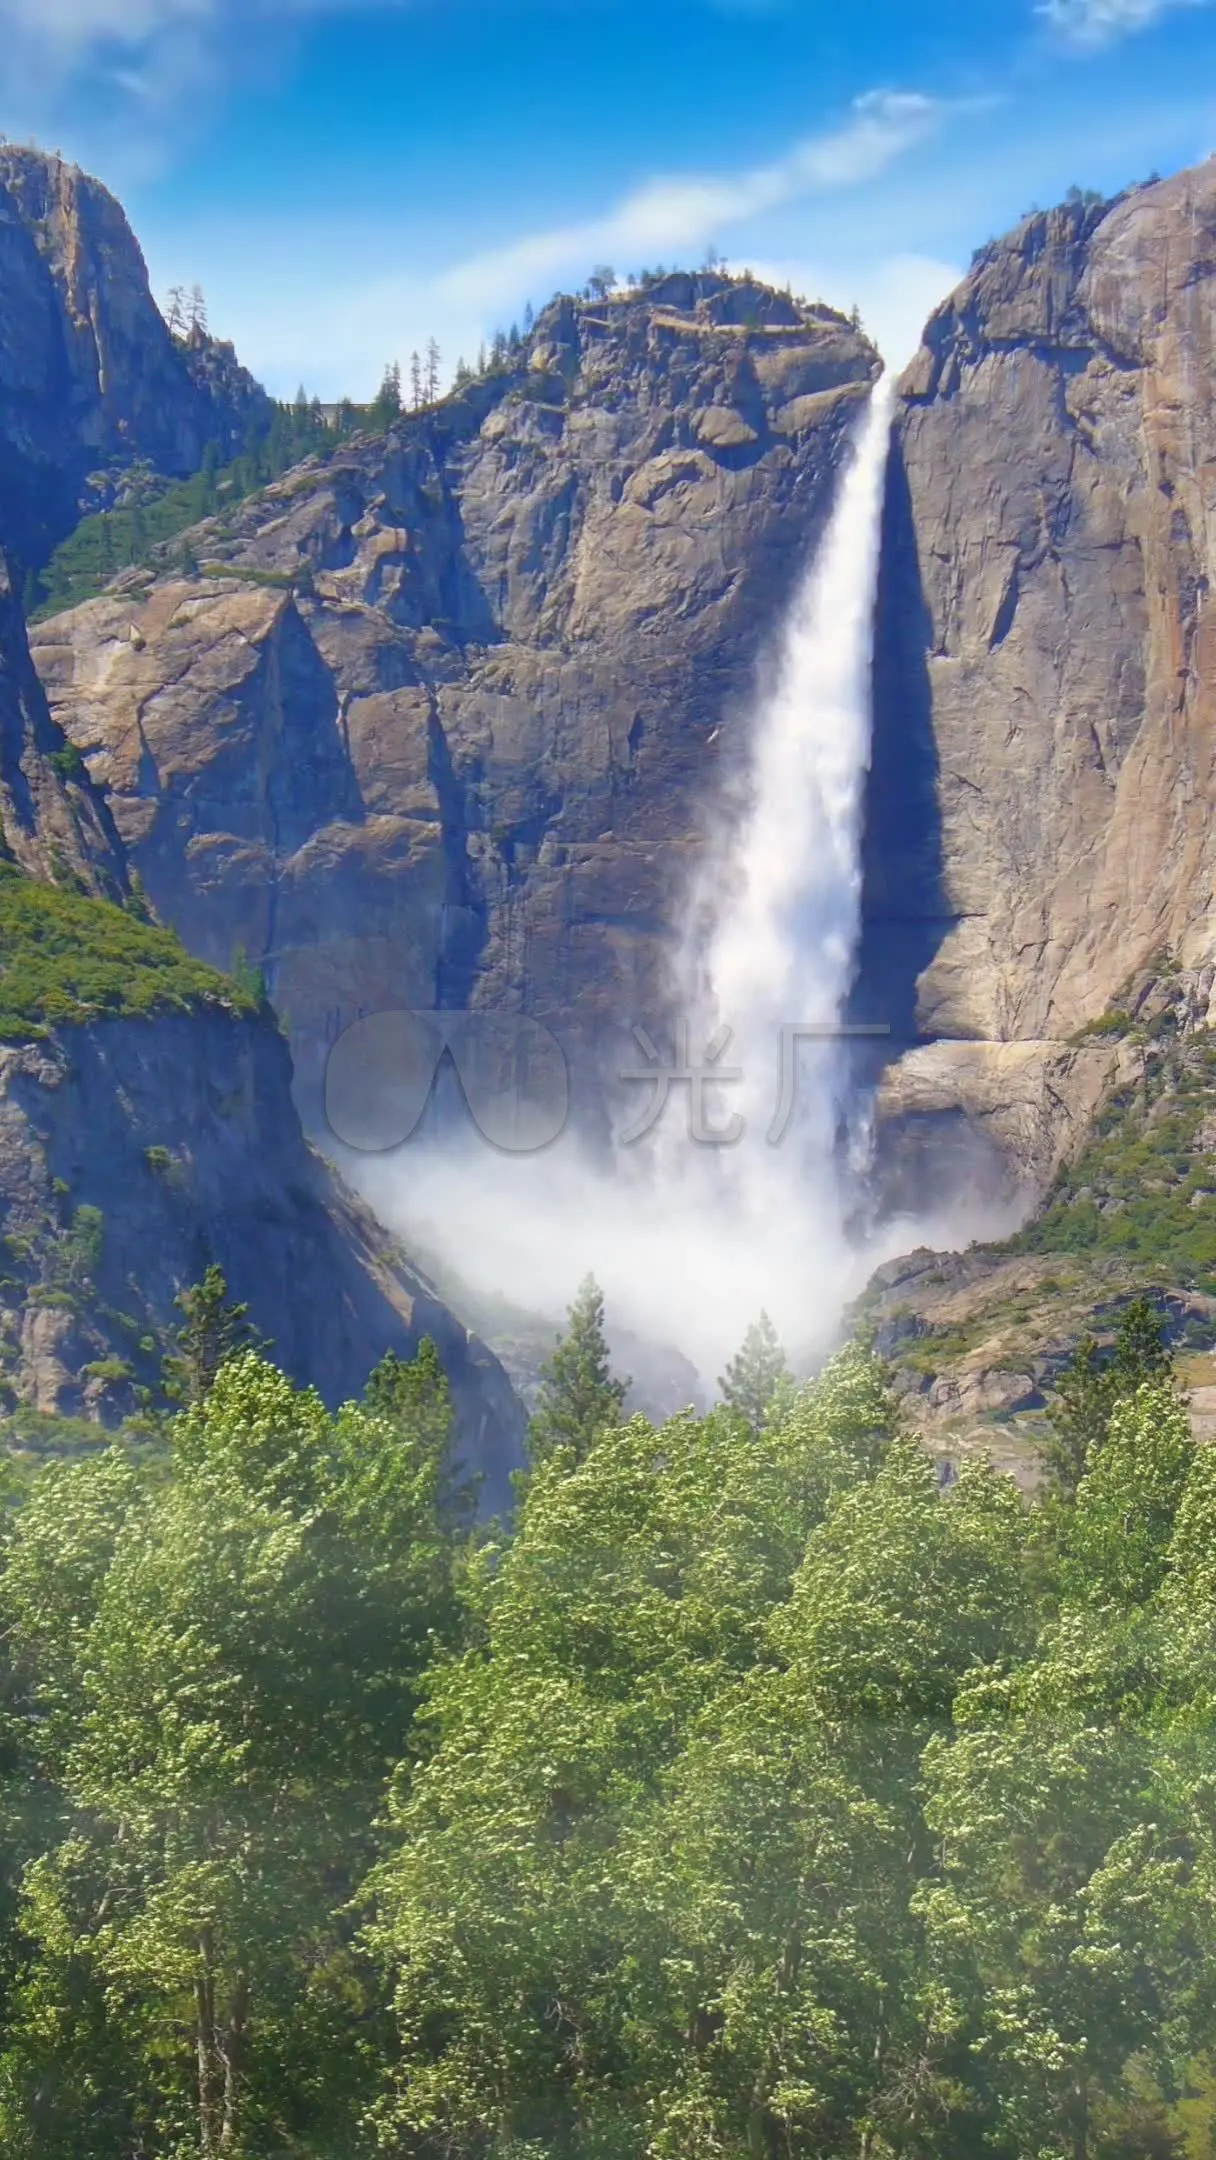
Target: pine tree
{"type": "Point", "coordinates": [1080, 1415]}
{"type": "Point", "coordinates": [388, 407]}
{"type": "Point", "coordinates": [415, 381]}
{"type": "Point", "coordinates": [197, 316]}
{"type": "Point", "coordinates": [580, 1396]}
{"type": "Point", "coordinates": [529, 320]}
{"type": "Point", "coordinates": [753, 1378]}
{"type": "Point", "coordinates": [175, 311]}
{"type": "Point", "coordinates": [1078, 1418]}
{"type": "Point", "coordinates": [433, 359]}
{"type": "Point", "coordinates": [213, 1330]}
{"type": "Point", "coordinates": [1142, 1352]}
{"type": "Point", "coordinates": [415, 1397]}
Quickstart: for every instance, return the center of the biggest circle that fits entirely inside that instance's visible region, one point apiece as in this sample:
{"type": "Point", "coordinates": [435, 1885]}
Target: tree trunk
{"type": "Point", "coordinates": [234, 2064]}
{"type": "Point", "coordinates": [1080, 2146]}
{"type": "Point", "coordinates": [210, 2073]}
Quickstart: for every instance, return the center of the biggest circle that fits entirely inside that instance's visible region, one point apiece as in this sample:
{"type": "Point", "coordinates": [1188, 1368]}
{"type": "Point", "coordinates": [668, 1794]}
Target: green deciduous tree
{"type": "Point", "coordinates": [1088, 1392]}
{"type": "Point", "coordinates": [249, 1632]}
{"type": "Point", "coordinates": [626, 1792]}
{"type": "Point", "coordinates": [1119, 1537]}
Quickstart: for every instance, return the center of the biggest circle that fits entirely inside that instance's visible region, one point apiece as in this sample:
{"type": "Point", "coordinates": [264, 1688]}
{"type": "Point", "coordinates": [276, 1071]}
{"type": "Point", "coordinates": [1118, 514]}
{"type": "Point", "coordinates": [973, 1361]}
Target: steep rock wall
{"type": "Point", "coordinates": [435, 722]}
{"type": "Point", "coordinates": [136, 1151]}
{"type": "Point", "coordinates": [1040, 814]}
{"type": "Point", "coordinates": [133, 1154]}
{"type": "Point", "coordinates": [53, 822]}
{"type": "Point", "coordinates": [89, 374]}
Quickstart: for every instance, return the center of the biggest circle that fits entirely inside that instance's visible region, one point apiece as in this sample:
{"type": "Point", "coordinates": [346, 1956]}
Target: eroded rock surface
{"type": "Point", "coordinates": [89, 374]}
{"type": "Point", "coordinates": [434, 722]}
{"type": "Point", "coordinates": [136, 1151]}
{"type": "Point", "coordinates": [1046, 730]}
{"type": "Point", "coordinates": [53, 822]}
{"type": "Point", "coordinates": [133, 1154]}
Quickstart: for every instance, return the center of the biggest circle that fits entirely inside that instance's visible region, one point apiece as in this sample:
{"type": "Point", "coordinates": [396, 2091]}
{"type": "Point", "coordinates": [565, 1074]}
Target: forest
{"type": "Point", "coordinates": [753, 1792]}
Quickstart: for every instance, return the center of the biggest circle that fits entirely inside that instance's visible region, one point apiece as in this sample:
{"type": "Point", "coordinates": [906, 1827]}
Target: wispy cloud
{"type": "Point", "coordinates": [684, 212]}
{"type": "Point", "coordinates": [1100, 22]}
{"type": "Point", "coordinates": [77, 28]}
{"type": "Point", "coordinates": [153, 52]}
{"type": "Point", "coordinates": [349, 326]}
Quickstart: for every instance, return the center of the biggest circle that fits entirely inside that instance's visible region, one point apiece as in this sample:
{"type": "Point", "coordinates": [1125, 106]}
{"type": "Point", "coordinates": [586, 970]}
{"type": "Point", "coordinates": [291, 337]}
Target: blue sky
{"type": "Point", "coordinates": [348, 177]}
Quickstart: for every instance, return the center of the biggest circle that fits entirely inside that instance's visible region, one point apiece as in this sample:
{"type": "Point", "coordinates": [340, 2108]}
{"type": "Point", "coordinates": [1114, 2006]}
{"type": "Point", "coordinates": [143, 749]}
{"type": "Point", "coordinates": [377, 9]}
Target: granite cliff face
{"type": "Point", "coordinates": [434, 721]}
{"type": "Point", "coordinates": [1040, 822]}
{"type": "Point", "coordinates": [135, 1151]}
{"type": "Point", "coordinates": [53, 822]}
{"type": "Point", "coordinates": [133, 1154]}
{"type": "Point", "coordinates": [89, 374]}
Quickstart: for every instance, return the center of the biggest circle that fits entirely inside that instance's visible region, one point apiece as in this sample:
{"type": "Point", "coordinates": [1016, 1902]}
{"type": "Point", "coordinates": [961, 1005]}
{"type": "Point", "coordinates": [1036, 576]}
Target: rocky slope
{"type": "Point", "coordinates": [136, 1149]}
{"type": "Point", "coordinates": [89, 374]}
{"type": "Point", "coordinates": [433, 722]}
{"type": "Point", "coordinates": [53, 822]}
{"type": "Point", "coordinates": [979, 1338]}
{"type": "Point", "coordinates": [133, 1154]}
{"type": "Point", "coordinates": [1046, 676]}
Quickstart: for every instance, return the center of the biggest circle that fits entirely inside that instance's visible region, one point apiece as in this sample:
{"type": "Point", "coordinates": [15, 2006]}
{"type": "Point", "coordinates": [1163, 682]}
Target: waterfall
{"type": "Point", "coordinates": [783, 889]}
{"type": "Point", "coordinates": [691, 1239]}
{"type": "Point", "coordinates": [751, 1206]}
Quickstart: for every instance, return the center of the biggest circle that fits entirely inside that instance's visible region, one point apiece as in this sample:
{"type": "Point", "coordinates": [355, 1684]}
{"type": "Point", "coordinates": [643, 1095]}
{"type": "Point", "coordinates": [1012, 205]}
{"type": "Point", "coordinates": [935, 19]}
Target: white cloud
{"type": "Point", "coordinates": [1100, 22]}
{"type": "Point", "coordinates": [683, 213]}
{"type": "Point", "coordinates": [339, 329]}
{"type": "Point", "coordinates": [166, 55]}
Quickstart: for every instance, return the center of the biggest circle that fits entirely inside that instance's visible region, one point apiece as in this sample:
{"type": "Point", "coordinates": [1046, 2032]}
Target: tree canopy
{"type": "Point", "coordinates": [745, 1795]}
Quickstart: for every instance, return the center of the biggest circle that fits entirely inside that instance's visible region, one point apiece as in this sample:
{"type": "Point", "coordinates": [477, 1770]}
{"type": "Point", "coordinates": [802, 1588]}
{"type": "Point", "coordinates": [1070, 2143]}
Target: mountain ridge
{"type": "Point", "coordinates": [90, 375]}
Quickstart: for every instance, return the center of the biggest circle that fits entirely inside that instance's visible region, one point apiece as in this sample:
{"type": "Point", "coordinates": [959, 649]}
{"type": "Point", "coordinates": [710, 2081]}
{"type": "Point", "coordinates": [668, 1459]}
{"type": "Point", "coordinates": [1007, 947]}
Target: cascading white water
{"type": "Point", "coordinates": [783, 888]}
{"type": "Point", "coordinates": [690, 1241]}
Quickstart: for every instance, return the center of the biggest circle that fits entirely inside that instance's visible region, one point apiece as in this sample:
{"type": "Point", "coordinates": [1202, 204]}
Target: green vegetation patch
{"type": "Point", "coordinates": [1145, 1184]}
{"type": "Point", "coordinates": [66, 958]}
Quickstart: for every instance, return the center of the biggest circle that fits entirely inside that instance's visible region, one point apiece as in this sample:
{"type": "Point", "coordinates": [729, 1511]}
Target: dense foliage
{"type": "Point", "coordinates": [65, 957]}
{"type": "Point", "coordinates": [156, 513]}
{"type": "Point", "coordinates": [1144, 1185]}
{"type": "Point", "coordinates": [749, 1796]}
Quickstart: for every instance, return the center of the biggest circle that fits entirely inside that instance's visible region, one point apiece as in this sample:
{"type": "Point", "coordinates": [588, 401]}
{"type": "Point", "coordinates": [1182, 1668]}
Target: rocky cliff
{"type": "Point", "coordinates": [133, 1154]}
{"type": "Point", "coordinates": [433, 722]}
{"type": "Point", "coordinates": [89, 374]}
{"type": "Point", "coordinates": [1040, 816]}
{"type": "Point", "coordinates": [147, 1129]}
{"type": "Point", "coordinates": [53, 822]}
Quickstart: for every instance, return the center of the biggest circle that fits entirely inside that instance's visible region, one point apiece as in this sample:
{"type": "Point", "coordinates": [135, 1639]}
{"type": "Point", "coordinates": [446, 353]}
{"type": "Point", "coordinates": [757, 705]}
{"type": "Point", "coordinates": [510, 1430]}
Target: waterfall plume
{"type": "Point", "coordinates": [729, 1202]}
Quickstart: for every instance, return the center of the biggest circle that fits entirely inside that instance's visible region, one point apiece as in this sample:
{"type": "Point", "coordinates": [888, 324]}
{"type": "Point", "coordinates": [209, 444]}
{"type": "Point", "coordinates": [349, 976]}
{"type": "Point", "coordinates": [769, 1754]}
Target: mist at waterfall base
{"type": "Point", "coordinates": [691, 1239]}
